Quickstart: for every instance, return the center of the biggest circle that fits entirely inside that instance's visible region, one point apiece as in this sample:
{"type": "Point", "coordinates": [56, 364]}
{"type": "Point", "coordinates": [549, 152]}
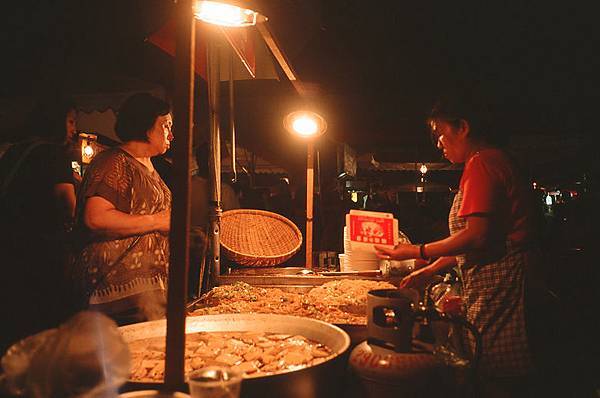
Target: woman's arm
{"type": "Point", "coordinates": [474, 236]}
{"type": "Point", "coordinates": [64, 196]}
{"type": "Point", "coordinates": [422, 277]}
{"type": "Point", "coordinates": [101, 217]}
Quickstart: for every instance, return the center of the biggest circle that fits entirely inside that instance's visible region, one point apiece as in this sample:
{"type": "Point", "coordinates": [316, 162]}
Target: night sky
{"type": "Point", "coordinates": [374, 72]}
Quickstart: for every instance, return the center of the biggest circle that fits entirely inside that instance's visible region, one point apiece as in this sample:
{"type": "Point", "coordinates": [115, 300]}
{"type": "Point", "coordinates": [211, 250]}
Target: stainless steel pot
{"type": "Point", "coordinates": [322, 380]}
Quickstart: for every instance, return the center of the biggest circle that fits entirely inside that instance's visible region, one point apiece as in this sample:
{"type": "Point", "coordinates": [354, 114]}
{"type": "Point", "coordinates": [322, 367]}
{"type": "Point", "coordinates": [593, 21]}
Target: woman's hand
{"type": "Point", "coordinates": [418, 279]}
{"type": "Point", "coordinates": [163, 221]}
{"type": "Point", "coordinates": [103, 218]}
{"type": "Point", "coordinates": [401, 251]}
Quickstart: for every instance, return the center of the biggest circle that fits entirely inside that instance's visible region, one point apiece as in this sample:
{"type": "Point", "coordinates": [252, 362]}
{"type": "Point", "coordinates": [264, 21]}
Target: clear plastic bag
{"type": "Point", "coordinates": [447, 299]}
{"type": "Point", "coordinates": [446, 296]}
{"type": "Point", "coordinates": [15, 362]}
{"type": "Point", "coordinates": [398, 268]}
{"type": "Point", "coordinates": [86, 357]}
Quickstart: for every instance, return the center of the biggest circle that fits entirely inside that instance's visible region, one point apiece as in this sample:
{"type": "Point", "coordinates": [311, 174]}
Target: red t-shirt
{"type": "Point", "coordinates": [492, 186]}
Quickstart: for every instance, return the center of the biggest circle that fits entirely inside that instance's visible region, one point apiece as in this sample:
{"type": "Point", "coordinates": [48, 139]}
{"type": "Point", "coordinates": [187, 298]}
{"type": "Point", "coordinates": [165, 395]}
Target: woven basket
{"type": "Point", "coordinates": [258, 238]}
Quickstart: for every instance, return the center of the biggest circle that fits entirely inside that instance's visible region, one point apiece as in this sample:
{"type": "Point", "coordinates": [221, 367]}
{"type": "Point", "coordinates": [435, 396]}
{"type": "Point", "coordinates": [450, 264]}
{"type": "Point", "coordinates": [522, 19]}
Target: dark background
{"type": "Point", "coordinates": [372, 71]}
{"type": "Point", "coordinates": [375, 68]}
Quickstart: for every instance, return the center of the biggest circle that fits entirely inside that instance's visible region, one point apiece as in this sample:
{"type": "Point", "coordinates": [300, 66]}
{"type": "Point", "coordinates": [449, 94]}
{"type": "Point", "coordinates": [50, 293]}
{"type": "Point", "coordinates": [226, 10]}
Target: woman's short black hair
{"type": "Point", "coordinates": [137, 115]}
{"type": "Point", "coordinates": [48, 119]}
{"type": "Point", "coordinates": [473, 106]}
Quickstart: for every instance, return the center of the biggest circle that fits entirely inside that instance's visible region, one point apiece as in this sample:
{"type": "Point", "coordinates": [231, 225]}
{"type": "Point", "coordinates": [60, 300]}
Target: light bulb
{"type": "Point", "coordinates": [88, 151]}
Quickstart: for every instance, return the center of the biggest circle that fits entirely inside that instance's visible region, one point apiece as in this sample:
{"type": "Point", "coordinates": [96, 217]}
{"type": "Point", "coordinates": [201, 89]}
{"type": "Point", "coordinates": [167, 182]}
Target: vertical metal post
{"type": "Point", "coordinates": [214, 144]}
{"type": "Point", "coordinates": [232, 116]}
{"type": "Point", "coordinates": [310, 177]}
{"type": "Point", "coordinates": [180, 212]}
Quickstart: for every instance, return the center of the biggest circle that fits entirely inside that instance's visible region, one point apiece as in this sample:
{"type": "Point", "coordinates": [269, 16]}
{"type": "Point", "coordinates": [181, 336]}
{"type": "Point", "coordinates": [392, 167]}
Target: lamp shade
{"type": "Point", "coordinates": [228, 13]}
{"type": "Point", "coordinates": [305, 124]}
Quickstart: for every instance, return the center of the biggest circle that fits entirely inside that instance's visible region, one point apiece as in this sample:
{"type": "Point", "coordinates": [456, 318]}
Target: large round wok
{"type": "Point", "coordinates": [322, 380]}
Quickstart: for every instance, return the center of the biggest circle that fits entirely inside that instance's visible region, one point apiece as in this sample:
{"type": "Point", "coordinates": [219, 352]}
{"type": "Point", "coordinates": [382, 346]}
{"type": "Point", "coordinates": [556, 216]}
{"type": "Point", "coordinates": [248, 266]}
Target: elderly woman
{"type": "Point", "coordinates": [492, 241]}
{"type": "Point", "coordinates": [124, 214]}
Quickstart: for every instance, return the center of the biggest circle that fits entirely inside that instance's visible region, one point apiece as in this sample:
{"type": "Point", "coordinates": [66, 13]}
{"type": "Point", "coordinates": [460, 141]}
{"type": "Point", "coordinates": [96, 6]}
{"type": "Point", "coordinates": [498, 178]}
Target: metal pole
{"type": "Point", "coordinates": [310, 174]}
{"type": "Point", "coordinates": [214, 144]}
{"type": "Point", "coordinates": [183, 111]}
{"type": "Point", "coordinates": [232, 116]}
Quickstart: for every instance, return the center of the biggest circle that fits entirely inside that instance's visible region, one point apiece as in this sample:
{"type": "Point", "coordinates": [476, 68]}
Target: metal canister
{"type": "Point", "coordinates": [328, 260]}
{"type": "Point", "coordinates": [388, 363]}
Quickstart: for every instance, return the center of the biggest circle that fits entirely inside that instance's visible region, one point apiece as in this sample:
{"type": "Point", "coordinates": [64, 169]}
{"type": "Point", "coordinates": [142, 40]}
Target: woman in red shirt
{"type": "Point", "coordinates": [492, 242]}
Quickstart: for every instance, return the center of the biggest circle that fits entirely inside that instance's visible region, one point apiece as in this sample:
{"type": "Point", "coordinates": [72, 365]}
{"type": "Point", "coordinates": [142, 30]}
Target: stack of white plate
{"type": "Point", "coordinates": [361, 260]}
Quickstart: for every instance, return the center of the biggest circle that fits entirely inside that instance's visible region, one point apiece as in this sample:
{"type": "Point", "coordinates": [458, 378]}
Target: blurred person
{"type": "Point", "coordinates": [200, 194]}
{"type": "Point", "coordinates": [333, 218]}
{"type": "Point", "coordinates": [493, 240]}
{"type": "Point", "coordinates": [280, 199]}
{"type": "Point", "coordinates": [249, 196]}
{"type": "Point", "coordinates": [37, 204]}
{"type": "Point", "coordinates": [123, 217]}
{"type": "Point", "coordinates": [199, 202]}
{"type": "Point", "coordinates": [164, 166]}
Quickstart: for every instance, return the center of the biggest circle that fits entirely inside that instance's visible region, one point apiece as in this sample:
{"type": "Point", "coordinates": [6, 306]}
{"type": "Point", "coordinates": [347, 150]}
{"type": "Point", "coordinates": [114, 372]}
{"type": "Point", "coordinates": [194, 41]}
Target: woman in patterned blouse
{"type": "Point", "coordinates": [124, 215]}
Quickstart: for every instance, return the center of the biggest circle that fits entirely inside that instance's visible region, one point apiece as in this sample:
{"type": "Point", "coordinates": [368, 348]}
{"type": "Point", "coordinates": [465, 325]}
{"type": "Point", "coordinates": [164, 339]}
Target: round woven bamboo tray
{"type": "Point", "coordinates": [258, 238]}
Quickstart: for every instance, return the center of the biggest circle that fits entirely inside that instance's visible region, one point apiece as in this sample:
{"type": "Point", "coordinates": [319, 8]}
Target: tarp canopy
{"type": "Point", "coordinates": [252, 59]}
{"type": "Point", "coordinates": [98, 108]}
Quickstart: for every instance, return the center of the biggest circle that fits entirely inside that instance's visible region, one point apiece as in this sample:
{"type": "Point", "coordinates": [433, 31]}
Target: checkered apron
{"type": "Point", "coordinates": [493, 293]}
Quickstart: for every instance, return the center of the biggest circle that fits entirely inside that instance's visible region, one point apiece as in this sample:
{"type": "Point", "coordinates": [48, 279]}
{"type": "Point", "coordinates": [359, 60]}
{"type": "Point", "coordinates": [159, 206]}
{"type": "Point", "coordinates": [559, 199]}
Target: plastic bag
{"type": "Point", "coordinates": [15, 362]}
{"type": "Point", "coordinates": [398, 268]}
{"type": "Point", "coordinates": [446, 296]}
{"type": "Point", "coordinates": [447, 299]}
{"type": "Point", "coordinates": [86, 357]}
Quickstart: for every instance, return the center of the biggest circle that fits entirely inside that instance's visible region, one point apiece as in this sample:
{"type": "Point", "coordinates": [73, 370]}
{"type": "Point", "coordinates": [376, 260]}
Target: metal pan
{"type": "Point", "coordinates": [357, 332]}
{"type": "Point", "coordinates": [322, 380]}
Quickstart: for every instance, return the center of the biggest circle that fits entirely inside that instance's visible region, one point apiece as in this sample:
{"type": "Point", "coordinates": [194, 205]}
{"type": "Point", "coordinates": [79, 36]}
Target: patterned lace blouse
{"type": "Point", "coordinates": [125, 182]}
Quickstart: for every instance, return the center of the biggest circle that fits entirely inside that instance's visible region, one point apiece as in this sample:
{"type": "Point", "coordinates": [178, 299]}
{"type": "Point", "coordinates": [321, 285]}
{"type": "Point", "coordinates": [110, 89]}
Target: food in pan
{"type": "Point", "coordinates": [340, 301]}
{"type": "Point", "coordinates": [253, 353]}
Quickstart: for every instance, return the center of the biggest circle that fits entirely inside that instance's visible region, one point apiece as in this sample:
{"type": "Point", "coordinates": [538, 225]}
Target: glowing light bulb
{"type": "Point", "coordinates": [221, 14]}
{"type": "Point", "coordinates": [305, 123]}
{"type": "Point", "coordinates": [305, 126]}
{"type": "Point", "coordinates": [88, 151]}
